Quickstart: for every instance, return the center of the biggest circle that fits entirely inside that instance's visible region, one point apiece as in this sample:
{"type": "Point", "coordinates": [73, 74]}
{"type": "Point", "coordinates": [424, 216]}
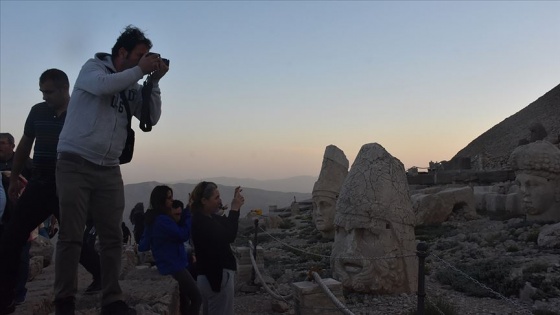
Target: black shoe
{"type": "Point", "coordinates": [64, 306]}
{"type": "Point", "coordinates": [93, 288]}
{"type": "Point", "coordinates": [8, 309]}
{"type": "Point", "coordinates": [117, 308]}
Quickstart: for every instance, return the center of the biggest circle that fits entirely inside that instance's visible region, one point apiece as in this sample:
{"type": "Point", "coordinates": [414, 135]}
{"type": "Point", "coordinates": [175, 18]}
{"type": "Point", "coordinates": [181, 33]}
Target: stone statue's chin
{"type": "Point", "coordinates": [323, 226]}
{"type": "Point", "coordinates": [532, 211]}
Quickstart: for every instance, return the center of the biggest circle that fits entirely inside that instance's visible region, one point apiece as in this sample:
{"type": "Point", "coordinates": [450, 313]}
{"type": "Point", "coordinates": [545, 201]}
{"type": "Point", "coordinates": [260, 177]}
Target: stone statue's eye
{"type": "Point", "coordinates": [341, 231]}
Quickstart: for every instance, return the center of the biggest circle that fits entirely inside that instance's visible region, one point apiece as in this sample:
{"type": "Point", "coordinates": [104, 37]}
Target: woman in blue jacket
{"type": "Point", "coordinates": [165, 234]}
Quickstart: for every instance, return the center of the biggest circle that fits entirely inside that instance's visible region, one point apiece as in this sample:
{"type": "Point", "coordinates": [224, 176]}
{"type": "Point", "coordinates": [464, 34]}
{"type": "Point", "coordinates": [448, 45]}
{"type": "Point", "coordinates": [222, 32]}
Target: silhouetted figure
{"type": "Point", "coordinates": [125, 233]}
{"type": "Point", "coordinates": [137, 219]}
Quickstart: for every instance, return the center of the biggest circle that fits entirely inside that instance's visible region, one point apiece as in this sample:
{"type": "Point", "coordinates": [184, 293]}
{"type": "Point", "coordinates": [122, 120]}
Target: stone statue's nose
{"type": "Point", "coordinates": [351, 241]}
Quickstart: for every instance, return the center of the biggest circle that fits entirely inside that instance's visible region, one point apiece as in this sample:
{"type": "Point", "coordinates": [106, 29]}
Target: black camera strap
{"type": "Point", "coordinates": [145, 119]}
{"type": "Point", "coordinates": [127, 107]}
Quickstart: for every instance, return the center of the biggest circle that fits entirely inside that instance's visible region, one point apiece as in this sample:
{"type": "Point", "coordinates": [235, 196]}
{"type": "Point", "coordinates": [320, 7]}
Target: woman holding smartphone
{"type": "Point", "coordinates": [212, 235]}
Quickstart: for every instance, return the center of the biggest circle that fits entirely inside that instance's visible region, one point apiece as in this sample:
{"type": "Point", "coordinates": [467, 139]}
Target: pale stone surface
{"type": "Point", "coordinates": [294, 208]}
{"type": "Point", "coordinates": [374, 246]}
{"type": "Point", "coordinates": [495, 202]}
{"type": "Point", "coordinates": [42, 246]}
{"type": "Point", "coordinates": [272, 221]}
{"type": "Point", "coordinates": [537, 170]}
{"type": "Point", "coordinates": [480, 196]}
{"type": "Point", "coordinates": [513, 203]}
{"type": "Point", "coordinates": [327, 188]}
{"type": "Point", "coordinates": [549, 236]}
{"type": "Point", "coordinates": [144, 289]}
{"type": "Point", "coordinates": [310, 298]}
{"type": "Point", "coordinates": [456, 203]}
{"type": "Point", "coordinates": [279, 306]}
{"type": "Point", "coordinates": [35, 267]}
{"type": "Point", "coordinates": [527, 292]}
{"type": "Point", "coordinates": [129, 260]}
{"type": "Point", "coordinates": [244, 266]}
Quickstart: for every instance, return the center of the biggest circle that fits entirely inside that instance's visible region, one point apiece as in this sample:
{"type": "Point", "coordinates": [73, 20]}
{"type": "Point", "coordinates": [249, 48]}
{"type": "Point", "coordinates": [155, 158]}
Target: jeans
{"type": "Point", "coordinates": [37, 202]}
{"type": "Point", "coordinates": [23, 273]}
{"type": "Point", "coordinates": [86, 187]}
{"type": "Point", "coordinates": [189, 296]}
{"type": "Point", "coordinates": [218, 302]}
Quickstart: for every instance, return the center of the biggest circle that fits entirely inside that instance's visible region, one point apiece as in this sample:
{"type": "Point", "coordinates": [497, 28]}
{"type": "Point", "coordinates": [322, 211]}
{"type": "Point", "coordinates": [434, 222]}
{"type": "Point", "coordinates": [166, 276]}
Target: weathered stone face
{"type": "Point", "coordinates": [537, 170]}
{"type": "Point", "coordinates": [325, 191]}
{"type": "Point", "coordinates": [537, 193]}
{"type": "Point", "coordinates": [324, 208]}
{"type": "Point", "coordinates": [374, 245]}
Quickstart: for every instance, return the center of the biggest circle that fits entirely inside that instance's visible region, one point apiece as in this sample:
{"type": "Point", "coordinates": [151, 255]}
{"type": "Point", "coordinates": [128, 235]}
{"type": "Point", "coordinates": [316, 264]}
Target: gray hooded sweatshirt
{"type": "Point", "coordinates": [96, 119]}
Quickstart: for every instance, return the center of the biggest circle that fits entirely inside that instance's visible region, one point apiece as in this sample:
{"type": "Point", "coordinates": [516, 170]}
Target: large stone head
{"type": "Point", "coordinates": [325, 191]}
{"type": "Point", "coordinates": [374, 246]}
{"type": "Point", "coordinates": [537, 169]}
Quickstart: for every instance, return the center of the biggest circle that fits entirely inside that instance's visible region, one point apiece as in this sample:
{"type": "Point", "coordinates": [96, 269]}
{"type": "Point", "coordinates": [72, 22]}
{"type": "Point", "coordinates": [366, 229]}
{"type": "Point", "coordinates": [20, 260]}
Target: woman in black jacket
{"type": "Point", "coordinates": [212, 235]}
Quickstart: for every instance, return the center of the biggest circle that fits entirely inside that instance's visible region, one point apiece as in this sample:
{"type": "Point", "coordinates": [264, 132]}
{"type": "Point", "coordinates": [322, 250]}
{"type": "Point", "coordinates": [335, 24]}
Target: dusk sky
{"type": "Point", "coordinates": [258, 89]}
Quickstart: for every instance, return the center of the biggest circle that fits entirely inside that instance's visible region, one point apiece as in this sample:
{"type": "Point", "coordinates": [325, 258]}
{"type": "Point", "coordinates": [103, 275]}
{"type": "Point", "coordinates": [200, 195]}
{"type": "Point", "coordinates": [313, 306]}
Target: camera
{"type": "Point", "coordinates": [166, 61]}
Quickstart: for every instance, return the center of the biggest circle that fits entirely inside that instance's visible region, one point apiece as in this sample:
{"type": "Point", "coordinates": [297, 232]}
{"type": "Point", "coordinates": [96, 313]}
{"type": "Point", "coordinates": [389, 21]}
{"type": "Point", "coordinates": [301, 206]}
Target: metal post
{"type": "Point", "coordinates": [422, 253]}
{"type": "Point", "coordinates": [255, 249]}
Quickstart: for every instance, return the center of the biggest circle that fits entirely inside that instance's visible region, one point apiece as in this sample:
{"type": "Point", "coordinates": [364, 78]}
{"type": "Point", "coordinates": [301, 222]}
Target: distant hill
{"type": "Point", "coordinates": [302, 184]}
{"type": "Point", "coordinates": [499, 141]}
{"type": "Point", "coordinates": [254, 198]}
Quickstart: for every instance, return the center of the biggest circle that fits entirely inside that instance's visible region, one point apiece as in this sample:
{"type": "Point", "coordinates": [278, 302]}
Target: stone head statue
{"type": "Point", "coordinates": [374, 244]}
{"type": "Point", "coordinates": [537, 132]}
{"type": "Point", "coordinates": [537, 169]}
{"type": "Point", "coordinates": [326, 189]}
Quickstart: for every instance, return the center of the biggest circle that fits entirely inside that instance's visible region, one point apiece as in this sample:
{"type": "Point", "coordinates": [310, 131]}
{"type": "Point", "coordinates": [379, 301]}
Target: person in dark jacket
{"type": "Point", "coordinates": [165, 233]}
{"type": "Point", "coordinates": [137, 219]}
{"type": "Point", "coordinates": [212, 235]}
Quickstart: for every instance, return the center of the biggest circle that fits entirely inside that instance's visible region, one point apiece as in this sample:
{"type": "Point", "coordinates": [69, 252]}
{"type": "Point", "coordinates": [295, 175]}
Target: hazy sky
{"type": "Point", "coordinates": [258, 89]}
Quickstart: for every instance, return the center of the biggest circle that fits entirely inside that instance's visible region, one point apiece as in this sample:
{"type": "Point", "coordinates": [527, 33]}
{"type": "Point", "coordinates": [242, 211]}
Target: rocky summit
{"type": "Point", "coordinates": [490, 265]}
{"type": "Point", "coordinates": [494, 146]}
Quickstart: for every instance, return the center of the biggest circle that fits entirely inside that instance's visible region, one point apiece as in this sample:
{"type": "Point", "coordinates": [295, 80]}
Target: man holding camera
{"type": "Point", "coordinates": [88, 176]}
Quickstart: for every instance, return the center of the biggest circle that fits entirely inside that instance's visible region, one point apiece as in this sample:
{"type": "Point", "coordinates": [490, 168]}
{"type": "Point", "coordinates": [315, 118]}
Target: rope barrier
{"type": "Point", "coordinates": [331, 296]}
{"type": "Point", "coordinates": [341, 306]}
{"type": "Point", "coordinates": [328, 256]}
{"type": "Point", "coordinates": [435, 306]}
{"type": "Point", "coordinates": [258, 274]}
{"type": "Point", "coordinates": [521, 307]}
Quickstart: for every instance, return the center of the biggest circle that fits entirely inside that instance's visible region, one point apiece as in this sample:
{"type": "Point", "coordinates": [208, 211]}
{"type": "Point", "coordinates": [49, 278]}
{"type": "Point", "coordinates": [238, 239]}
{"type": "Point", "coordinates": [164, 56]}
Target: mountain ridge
{"type": "Point", "coordinates": [300, 184]}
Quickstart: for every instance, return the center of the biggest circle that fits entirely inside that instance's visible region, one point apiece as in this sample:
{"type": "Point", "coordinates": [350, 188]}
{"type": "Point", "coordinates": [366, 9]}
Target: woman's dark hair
{"type": "Point", "coordinates": [157, 203]}
{"type": "Point", "coordinates": [129, 38]}
{"type": "Point", "coordinates": [202, 190]}
{"type": "Point", "coordinates": [159, 196]}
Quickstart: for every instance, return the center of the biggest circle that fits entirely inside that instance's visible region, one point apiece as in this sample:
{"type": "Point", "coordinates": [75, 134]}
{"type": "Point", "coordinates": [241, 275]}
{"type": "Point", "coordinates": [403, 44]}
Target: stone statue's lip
{"type": "Point", "coordinates": [352, 268]}
{"type": "Point", "coordinates": [527, 203]}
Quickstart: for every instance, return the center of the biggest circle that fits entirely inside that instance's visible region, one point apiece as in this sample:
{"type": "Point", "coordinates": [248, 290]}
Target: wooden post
{"type": "Point", "coordinates": [422, 253]}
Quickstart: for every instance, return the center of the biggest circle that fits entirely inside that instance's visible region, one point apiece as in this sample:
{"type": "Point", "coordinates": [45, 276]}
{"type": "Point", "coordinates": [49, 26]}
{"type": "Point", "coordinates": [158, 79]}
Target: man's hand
{"type": "Point", "coordinates": [238, 199]}
{"type": "Point", "coordinates": [149, 63]}
{"type": "Point", "coordinates": [15, 188]}
{"type": "Point", "coordinates": [162, 69]}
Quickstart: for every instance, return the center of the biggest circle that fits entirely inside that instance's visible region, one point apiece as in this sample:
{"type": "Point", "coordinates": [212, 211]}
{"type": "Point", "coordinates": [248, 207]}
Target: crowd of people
{"type": "Point", "coordinates": [73, 185]}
